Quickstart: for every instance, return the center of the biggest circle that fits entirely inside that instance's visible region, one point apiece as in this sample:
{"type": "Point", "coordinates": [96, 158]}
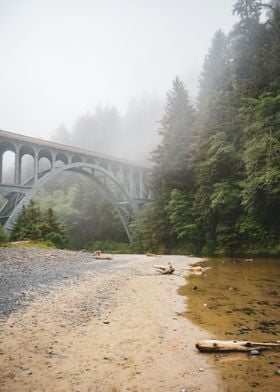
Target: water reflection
{"type": "Point", "coordinates": [239, 299]}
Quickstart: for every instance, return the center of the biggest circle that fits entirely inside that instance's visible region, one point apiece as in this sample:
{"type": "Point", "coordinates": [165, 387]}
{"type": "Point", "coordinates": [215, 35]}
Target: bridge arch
{"type": "Point", "coordinates": [118, 178]}
{"type": "Point", "coordinates": [90, 171]}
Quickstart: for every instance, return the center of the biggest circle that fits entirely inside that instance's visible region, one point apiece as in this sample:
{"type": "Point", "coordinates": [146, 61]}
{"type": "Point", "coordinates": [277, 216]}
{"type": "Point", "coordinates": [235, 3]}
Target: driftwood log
{"type": "Point", "coordinates": [165, 269]}
{"type": "Point", "coordinates": [97, 255]}
{"type": "Point", "coordinates": [209, 346]}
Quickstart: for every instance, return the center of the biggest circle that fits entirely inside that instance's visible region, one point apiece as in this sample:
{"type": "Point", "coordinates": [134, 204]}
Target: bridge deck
{"type": "Point", "coordinates": [64, 147]}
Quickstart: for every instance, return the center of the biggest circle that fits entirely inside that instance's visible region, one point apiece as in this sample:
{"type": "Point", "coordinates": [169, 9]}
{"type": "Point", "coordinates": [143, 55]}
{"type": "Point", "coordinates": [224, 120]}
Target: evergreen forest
{"type": "Point", "coordinates": [216, 171]}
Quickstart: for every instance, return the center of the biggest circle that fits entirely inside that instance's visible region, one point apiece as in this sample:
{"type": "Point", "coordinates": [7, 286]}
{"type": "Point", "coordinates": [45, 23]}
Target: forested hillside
{"type": "Point", "coordinates": [216, 172]}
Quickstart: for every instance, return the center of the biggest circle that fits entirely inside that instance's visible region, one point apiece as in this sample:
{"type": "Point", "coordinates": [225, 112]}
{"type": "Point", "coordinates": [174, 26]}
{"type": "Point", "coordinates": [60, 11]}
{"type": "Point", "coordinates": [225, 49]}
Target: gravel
{"type": "Point", "coordinates": [26, 273]}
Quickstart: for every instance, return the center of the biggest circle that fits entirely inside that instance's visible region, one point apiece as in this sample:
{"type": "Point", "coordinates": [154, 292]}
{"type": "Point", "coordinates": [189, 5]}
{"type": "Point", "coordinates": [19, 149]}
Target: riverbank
{"type": "Point", "coordinates": [114, 330]}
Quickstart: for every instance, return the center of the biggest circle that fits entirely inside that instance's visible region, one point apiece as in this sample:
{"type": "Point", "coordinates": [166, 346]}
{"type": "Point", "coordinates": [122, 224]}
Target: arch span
{"type": "Point", "coordinates": [114, 191]}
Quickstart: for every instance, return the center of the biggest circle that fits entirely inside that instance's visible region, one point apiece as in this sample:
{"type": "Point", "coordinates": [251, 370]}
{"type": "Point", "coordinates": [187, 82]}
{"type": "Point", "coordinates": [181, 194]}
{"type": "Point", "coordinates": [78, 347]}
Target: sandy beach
{"type": "Point", "coordinates": [119, 330]}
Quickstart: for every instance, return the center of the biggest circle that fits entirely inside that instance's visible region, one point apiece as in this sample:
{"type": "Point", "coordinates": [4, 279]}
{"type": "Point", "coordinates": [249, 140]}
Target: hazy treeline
{"type": "Point", "coordinates": [216, 176]}
{"type": "Point", "coordinates": [130, 136]}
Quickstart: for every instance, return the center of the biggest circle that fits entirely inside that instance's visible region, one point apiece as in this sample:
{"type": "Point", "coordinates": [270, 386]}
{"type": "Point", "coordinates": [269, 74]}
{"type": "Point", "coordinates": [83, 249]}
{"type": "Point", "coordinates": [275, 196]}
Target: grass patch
{"type": "Point", "coordinates": [29, 245]}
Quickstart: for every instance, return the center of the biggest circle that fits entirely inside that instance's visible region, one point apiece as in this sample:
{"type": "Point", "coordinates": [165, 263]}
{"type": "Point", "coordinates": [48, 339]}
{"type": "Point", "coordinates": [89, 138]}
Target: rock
{"type": "Point", "coordinates": [106, 322]}
{"type": "Point", "coordinates": [183, 390]}
{"type": "Point", "coordinates": [201, 369]}
{"type": "Point", "coordinates": [277, 372]}
{"type": "Point", "coordinates": [254, 352]}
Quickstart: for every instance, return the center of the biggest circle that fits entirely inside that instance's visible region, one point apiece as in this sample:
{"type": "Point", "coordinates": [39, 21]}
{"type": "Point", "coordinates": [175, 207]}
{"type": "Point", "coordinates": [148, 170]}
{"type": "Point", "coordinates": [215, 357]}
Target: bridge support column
{"type": "Point", "coordinates": [36, 167]}
{"type": "Point", "coordinates": [52, 161]}
{"type": "Point", "coordinates": [17, 179]}
{"type": "Point", "coordinates": [1, 167]}
{"type": "Point", "coordinates": [131, 183]}
{"type": "Point", "coordinates": [141, 185]}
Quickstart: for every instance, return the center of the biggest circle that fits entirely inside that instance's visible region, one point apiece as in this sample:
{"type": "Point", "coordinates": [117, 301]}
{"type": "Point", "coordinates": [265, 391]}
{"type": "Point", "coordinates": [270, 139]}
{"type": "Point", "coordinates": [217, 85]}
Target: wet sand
{"type": "Point", "coordinates": [120, 330]}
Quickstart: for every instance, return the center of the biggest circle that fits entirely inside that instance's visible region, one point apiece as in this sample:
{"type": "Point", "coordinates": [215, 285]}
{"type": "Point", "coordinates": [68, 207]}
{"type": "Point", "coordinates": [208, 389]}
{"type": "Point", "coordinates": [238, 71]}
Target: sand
{"type": "Point", "coordinates": [136, 340]}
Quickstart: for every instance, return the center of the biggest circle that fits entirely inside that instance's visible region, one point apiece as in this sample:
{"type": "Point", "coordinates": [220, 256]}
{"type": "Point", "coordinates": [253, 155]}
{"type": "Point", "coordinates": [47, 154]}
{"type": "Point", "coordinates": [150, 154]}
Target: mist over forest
{"type": "Point", "coordinates": [130, 136]}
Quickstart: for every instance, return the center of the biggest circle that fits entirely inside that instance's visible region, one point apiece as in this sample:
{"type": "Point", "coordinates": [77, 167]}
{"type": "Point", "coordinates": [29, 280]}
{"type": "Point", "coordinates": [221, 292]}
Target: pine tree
{"type": "Point", "coordinates": [217, 110]}
{"type": "Point", "coordinates": [33, 224]}
{"type": "Point", "coordinates": [172, 155]}
{"type": "Point", "coordinates": [261, 194]}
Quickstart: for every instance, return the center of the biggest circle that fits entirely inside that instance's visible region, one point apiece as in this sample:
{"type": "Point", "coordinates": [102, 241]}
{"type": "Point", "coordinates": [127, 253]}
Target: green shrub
{"type": "Point", "coordinates": [4, 237]}
{"type": "Point", "coordinates": [37, 225]}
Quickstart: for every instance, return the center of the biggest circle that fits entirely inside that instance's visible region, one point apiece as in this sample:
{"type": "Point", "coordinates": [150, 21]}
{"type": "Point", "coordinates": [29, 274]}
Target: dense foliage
{"type": "Point", "coordinates": [216, 175]}
{"type": "Point", "coordinates": [87, 216]}
{"type": "Point", "coordinates": [36, 224]}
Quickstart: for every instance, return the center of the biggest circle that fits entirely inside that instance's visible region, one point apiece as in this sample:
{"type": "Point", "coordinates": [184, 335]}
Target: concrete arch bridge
{"type": "Point", "coordinates": [122, 181]}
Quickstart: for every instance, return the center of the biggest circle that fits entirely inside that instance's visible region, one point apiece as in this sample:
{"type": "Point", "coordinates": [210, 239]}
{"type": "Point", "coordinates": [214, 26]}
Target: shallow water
{"type": "Point", "coordinates": [238, 299]}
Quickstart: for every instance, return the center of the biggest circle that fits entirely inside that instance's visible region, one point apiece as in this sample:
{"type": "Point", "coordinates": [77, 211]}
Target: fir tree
{"type": "Point", "coordinates": [172, 155]}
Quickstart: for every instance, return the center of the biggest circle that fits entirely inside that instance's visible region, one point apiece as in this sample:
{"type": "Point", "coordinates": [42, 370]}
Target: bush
{"type": "Point", "coordinates": [4, 237]}
{"type": "Point", "coordinates": [56, 239]}
{"type": "Point", "coordinates": [37, 225]}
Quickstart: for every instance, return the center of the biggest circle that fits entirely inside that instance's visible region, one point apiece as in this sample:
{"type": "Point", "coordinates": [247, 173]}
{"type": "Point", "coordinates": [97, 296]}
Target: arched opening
{"type": "Point", "coordinates": [61, 159]}
{"type": "Point", "coordinates": [8, 167]}
{"type": "Point", "coordinates": [45, 162]}
{"type": "Point", "coordinates": [44, 165]}
{"type": "Point", "coordinates": [27, 168]}
{"type": "Point", "coordinates": [7, 162]}
{"type": "Point", "coordinates": [26, 164]}
{"type": "Point", "coordinates": [76, 158]}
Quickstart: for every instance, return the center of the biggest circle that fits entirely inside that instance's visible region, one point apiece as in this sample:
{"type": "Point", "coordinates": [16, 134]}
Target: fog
{"type": "Point", "coordinates": [66, 60]}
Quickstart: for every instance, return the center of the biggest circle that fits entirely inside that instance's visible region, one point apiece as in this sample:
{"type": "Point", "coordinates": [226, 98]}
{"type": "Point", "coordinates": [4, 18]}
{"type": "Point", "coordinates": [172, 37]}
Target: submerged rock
{"type": "Point", "coordinates": [254, 352]}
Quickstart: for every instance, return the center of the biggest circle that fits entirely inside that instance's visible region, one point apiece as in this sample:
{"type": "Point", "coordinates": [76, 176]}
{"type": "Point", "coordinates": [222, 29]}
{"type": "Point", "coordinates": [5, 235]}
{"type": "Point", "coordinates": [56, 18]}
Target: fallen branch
{"type": "Point", "coordinates": [233, 345]}
{"type": "Point", "coordinates": [102, 258]}
{"type": "Point", "coordinates": [165, 270]}
{"type": "Point", "coordinates": [151, 254]}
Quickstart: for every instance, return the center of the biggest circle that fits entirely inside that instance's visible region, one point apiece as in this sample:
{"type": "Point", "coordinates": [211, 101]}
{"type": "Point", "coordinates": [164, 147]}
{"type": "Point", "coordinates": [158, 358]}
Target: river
{"type": "Point", "coordinates": [239, 299]}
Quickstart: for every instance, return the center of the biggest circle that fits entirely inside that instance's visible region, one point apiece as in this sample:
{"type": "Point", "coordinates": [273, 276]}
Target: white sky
{"type": "Point", "coordinates": [60, 58]}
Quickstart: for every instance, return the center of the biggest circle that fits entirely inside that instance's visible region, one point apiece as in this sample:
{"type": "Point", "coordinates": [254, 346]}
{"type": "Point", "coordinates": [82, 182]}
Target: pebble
{"type": "Point", "coordinates": [201, 369]}
{"type": "Point", "coordinates": [254, 352]}
{"type": "Point", "coordinates": [106, 322]}
{"type": "Point", "coordinates": [277, 372]}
